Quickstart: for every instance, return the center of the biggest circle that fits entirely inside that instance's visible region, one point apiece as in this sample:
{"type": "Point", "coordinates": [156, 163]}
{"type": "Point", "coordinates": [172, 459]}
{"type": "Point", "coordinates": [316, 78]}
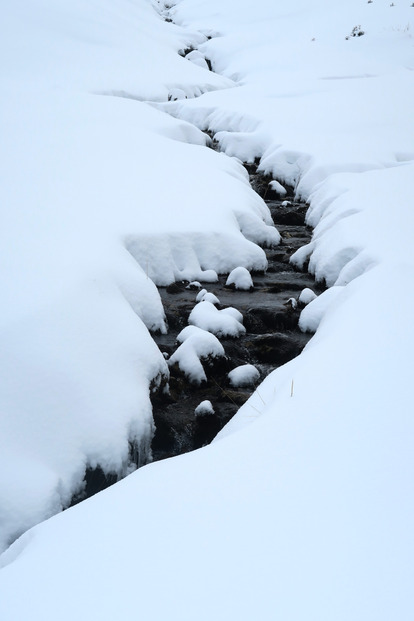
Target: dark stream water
{"type": "Point", "coordinates": [272, 335]}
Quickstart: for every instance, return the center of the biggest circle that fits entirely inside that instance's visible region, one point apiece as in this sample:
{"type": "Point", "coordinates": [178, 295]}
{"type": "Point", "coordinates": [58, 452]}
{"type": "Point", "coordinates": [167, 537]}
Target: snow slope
{"type": "Point", "coordinates": [101, 197]}
{"type": "Point", "coordinates": [303, 506]}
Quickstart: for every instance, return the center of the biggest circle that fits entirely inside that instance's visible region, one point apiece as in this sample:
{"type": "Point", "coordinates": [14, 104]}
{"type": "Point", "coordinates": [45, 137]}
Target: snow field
{"type": "Point", "coordinates": [205, 408]}
{"type": "Point", "coordinates": [303, 506]}
{"type": "Point", "coordinates": [103, 197]}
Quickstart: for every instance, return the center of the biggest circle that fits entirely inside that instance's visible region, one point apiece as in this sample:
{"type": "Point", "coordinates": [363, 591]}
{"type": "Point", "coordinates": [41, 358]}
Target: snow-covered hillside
{"type": "Point", "coordinates": [303, 506]}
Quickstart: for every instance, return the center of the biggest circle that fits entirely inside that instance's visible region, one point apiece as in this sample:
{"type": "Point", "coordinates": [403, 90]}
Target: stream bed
{"type": "Point", "coordinates": [270, 316]}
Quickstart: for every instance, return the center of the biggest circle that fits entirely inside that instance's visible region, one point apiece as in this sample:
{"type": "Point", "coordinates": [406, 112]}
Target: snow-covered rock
{"type": "Point", "coordinates": [207, 296]}
{"type": "Point", "coordinates": [306, 296]}
{"type": "Point", "coordinates": [205, 408]}
{"type": "Point", "coordinates": [197, 345]}
{"type": "Point", "coordinates": [278, 188]}
{"type": "Point", "coordinates": [244, 375]}
{"type": "Point", "coordinates": [207, 317]}
{"type": "Point", "coordinates": [233, 312]}
{"type": "Point", "coordinates": [240, 278]}
{"type": "Point", "coordinates": [194, 285]}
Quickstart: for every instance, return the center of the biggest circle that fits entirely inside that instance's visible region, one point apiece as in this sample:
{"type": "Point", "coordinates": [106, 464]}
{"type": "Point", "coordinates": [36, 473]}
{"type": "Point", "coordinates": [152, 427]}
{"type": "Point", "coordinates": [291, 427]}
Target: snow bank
{"type": "Point", "coordinates": [207, 317]}
{"type": "Point", "coordinates": [197, 345]}
{"type": "Point", "coordinates": [244, 375]}
{"type": "Point", "coordinates": [103, 196]}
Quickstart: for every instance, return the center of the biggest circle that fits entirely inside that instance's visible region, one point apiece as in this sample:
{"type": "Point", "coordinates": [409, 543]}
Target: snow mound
{"type": "Point", "coordinates": [206, 296]}
{"type": "Point", "coordinates": [207, 317]}
{"type": "Point", "coordinates": [306, 296]}
{"type": "Point", "coordinates": [196, 345]}
{"type": "Point", "coordinates": [240, 278]}
{"type": "Point", "coordinates": [312, 314]}
{"type": "Point", "coordinates": [278, 188]}
{"type": "Point", "coordinates": [233, 312]}
{"type": "Point", "coordinates": [198, 59]}
{"type": "Point", "coordinates": [245, 375]}
{"type": "Point", "coordinates": [204, 409]}
{"type": "Point", "coordinates": [194, 285]}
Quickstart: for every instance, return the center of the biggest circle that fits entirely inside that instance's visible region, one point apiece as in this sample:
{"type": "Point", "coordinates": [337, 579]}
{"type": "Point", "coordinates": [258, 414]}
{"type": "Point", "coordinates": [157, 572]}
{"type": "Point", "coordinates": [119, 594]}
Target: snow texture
{"type": "Point", "coordinates": [206, 296]}
{"type": "Point", "coordinates": [205, 408]}
{"type": "Point", "coordinates": [306, 296]}
{"type": "Point", "coordinates": [303, 506]}
{"type": "Point", "coordinates": [278, 188]}
{"type": "Point", "coordinates": [244, 375]}
{"type": "Point", "coordinates": [197, 345]}
{"type": "Point", "coordinates": [207, 317]}
{"type": "Point", "coordinates": [240, 278]}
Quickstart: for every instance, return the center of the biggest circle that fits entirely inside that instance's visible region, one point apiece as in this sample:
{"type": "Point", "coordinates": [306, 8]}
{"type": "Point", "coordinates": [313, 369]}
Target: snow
{"type": "Point", "coordinates": [303, 507]}
{"type": "Point", "coordinates": [103, 197]}
{"type": "Point", "coordinates": [312, 314]}
{"type": "Point", "coordinates": [244, 375]}
{"type": "Point", "coordinates": [278, 188]}
{"type": "Point", "coordinates": [205, 408]}
{"type": "Point", "coordinates": [206, 296]}
{"type": "Point", "coordinates": [240, 278]}
{"type": "Point", "coordinates": [207, 317]}
{"type": "Point", "coordinates": [306, 296]}
{"type": "Point", "coordinates": [197, 345]}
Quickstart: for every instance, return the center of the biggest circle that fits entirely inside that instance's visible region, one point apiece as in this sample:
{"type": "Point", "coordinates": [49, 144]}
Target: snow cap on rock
{"type": "Point", "coordinates": [244, 375]}
{"type": "Point", "coordinates": [240, 278]}
{"type": "Point", "coordinates": [207, 317]}
{"type": "Point", "coordinates": [196, 345]}
{"type": "Point", "coordinates": [306, 296]}
{"type": "Point", "coordinates": [205, 408]}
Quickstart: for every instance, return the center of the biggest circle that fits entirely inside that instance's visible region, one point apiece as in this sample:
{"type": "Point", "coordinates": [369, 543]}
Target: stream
{"type": "Point", "coordinates": [270, 315]}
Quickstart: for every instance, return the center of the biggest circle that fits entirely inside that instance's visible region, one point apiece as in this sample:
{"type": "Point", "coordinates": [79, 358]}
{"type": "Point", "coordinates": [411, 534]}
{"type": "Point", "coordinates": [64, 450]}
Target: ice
{"type": "Point", "coordinates": [244, 375]}
{"type": "Point", "coordinates": [207, 317]}
{"type": "Point", "coordinates": [240, 278]}
{"type": "Point", "coordinates": [197, 345]}
{"type": "Point", "coordinates": [205, 408]}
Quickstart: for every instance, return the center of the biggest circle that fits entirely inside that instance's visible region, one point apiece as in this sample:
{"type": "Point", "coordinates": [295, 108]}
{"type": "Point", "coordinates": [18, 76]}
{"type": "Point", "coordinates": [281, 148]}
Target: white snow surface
{"type": "Point", "coordinates": [241, 279]}
{"type": "Point", "coordinates": [244, 375]}
{"type": "Point", "coordinates": [205, 408]}
{"type": "Point", "coordinates": [102, 196]}
{"type": "Point", "coordinates": [278, 188]}
{"type": "Point", "coordinates": [207, 296]}
{"type": "Point", "coordinates": [207, 317]}
{"type": "Point", "coordinates": [196, 346]}
{"type": "Point", "coordinates": [306, 296]}
{"type": "Point", "coordinates": [303, 506]}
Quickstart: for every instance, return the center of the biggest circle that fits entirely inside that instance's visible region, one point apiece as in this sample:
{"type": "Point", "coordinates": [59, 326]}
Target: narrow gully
{"type": "Point", "coordinates": [272, 334]}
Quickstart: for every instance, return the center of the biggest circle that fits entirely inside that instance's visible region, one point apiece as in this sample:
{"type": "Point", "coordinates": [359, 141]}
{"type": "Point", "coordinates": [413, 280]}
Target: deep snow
{"type": "Point", "coordinates": [303, 506]}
